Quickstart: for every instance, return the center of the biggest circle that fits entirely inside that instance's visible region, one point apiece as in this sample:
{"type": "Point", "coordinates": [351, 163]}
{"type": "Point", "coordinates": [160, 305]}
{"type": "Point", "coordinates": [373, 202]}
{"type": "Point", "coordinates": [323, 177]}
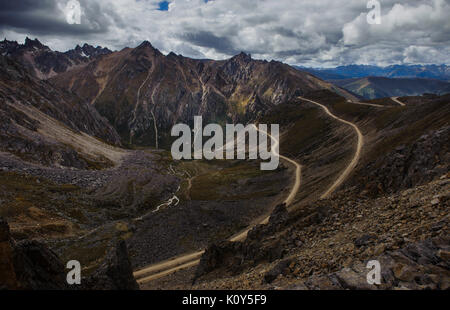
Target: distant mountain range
{"type": "Point", "coordinates": [440, 72]}
{"type": "Point", "coordinates": [373, 82]}
{"type": "Point", "coordinates": [380, 87]}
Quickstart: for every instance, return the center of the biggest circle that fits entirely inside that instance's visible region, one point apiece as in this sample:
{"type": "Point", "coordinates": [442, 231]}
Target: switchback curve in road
{"type": "Point", "coordinates": [398, 101]}
{"type": "Point", "coordinates": [170, 266]}
{"type": "Point", "coordinates": [342, 177]}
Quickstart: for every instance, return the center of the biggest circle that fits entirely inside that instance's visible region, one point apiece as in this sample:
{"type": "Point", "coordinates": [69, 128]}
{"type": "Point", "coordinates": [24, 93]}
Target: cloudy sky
{"type": "Point", "coordinates": [304, 32]}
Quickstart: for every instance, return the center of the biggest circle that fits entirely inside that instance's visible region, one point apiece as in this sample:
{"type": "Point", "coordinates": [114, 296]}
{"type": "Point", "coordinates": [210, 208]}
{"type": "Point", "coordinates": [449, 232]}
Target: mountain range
{"type": "Point", "coordinates": [374, 87]}
{"type": "Point", "coordinates": [85, 175]}
{"type": "Point", "coordinates": [143, 93]}
{"type": "Point", "coordinates": [440, 72]}
{"type": "Point", "coordinates": [373, 82]}
{"type": "Point", "coordinates": [45, 63]}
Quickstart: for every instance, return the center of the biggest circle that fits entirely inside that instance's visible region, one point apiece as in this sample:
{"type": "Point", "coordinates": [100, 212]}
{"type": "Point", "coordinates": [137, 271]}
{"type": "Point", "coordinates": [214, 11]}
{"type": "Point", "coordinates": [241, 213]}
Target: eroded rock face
{"type": "Point", "coordinates": [31, 111]}
{"type": "Point", "coordinates": [280, 268]}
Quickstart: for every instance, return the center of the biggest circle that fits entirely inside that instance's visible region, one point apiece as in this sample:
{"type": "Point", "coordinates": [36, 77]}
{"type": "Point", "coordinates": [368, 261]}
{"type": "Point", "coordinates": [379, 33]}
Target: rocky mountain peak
{"type": "Point", "coordinates": [145, 44]}
{"type": "Point", "coordinates": [34, 44]}
{"type": "Point", "coordinates": [172, 54]}
{"type": "Point", "coordinates": [7, 47]}
{"type": "Point", "coordinates": [12, 47]}
{"type": "Point", "coordinates": [4, 42]}
{"type": "Point", "coordinates": [147, 47]}
{"type": "Point", "coordinates": [242, 56]}
{"type": "Point", "coordinates": [87, 51]}
{"type": "Point", "coordinates": [95, 51]}
{"type": "Point", "coordinates": [45, 62]}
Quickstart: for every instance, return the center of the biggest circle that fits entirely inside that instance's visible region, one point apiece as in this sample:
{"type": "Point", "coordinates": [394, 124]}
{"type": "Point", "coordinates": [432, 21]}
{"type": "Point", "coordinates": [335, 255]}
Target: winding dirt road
{"type": "Point", "coordinates": [398, 101]}
{"type": "Point", "coordinates": [172, 265]}
{"type": "Point", "coordinates": [288, 201]}
{"type": "Point", "coordinates": [367, 104]}
{"type": "Point", "coordinates": [395, 99]}
{"type": "Point", "coordinates": [355, 158]}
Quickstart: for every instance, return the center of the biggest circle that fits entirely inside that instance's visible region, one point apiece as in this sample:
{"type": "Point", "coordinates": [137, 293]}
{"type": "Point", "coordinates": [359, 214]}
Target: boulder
{"type": "Point", "coordinates": [364, 240]}
{"type": "Point", "coordinates": [280, 268]}
{"type": "Point", "coordinates": [221, 255]}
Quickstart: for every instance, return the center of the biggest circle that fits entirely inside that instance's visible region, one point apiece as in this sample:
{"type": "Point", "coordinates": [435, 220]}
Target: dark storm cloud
{"type": "Point", "coordinates": [45, 17]}
{"type": "Point", "coordinates": [24, 5]}
{"type": "Point", "coordinates": [210, 40]}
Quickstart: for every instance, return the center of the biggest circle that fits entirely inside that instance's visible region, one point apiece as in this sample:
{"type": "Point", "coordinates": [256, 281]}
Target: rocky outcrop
{"type": "Point", "coordinates": [8, 279]}
{"type": "Point", "coordinates": [280, 268]}
{"type": "Point", "coordinates": [31, 265]}
{"type": "Point", "coordinates": [233, 257]}
{"type": "Point", "coordinates": [327, 245]}
{"type": "Point", "coordinates": [261, 245]}
{"type": "Point", "coordinates": [222, 255]}
{"type": "Point", "coordinates": [28, 265]}
{"type": "Point", "coordinates": [115, 273]}
{"type": "Point", "coordinates": [38, 268]}
{"type": "Point", "coordinates": [421, 265]}
{"type": "Point", "coordinates": [409, 165]}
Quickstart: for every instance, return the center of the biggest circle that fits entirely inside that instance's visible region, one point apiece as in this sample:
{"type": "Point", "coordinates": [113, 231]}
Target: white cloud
{"type": "Point", "coordinates": [425, 54]}
{"type": "Point", "coordinates": [308, 32]}
{"type": "Point", "coordinates": [417, 32]}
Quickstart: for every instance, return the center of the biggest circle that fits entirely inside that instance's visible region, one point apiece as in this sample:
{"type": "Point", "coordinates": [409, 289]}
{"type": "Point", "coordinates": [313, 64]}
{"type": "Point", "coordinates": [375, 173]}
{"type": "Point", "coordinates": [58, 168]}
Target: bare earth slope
{"type": "Point", "coordinates": [44, 124]}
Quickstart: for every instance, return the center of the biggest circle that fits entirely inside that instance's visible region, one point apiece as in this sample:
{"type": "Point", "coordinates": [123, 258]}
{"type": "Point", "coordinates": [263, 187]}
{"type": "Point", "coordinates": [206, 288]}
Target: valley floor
{"type": "Point", "coordinates": [83, 213]}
